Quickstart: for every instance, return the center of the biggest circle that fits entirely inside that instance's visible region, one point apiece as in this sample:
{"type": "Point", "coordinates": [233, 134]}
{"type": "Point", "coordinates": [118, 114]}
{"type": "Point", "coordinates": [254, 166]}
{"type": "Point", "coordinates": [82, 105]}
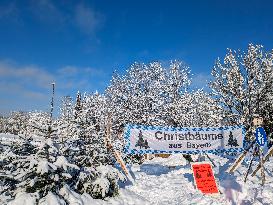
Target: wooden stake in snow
{"type": "Point", "coordinates": [117, 154]}
{"type": "Point", "coordinates": [240, 159]}
{"type": "Point", "coordinates": [251, 161]}
{"type": "Point", "coordinates": [268, 154]}
{"type": "Point", "coordinates": [259, 141]}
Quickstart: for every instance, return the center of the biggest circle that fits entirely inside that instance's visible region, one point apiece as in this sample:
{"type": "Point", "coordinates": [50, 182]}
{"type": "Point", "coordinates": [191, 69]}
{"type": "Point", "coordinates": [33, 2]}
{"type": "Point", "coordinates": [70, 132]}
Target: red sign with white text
{"type": "Point", "coordinates": [204, 178]}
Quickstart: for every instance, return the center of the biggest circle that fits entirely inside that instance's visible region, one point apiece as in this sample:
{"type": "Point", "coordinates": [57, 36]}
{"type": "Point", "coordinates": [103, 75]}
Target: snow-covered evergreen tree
{"type": "Point", "coordinates": [91, 123]}
{"type": "Point", "coordinates": [66, 126]}
{"type": "Point", "coordinates": [15, 123]}
{"type": "Point", "coordinates": [2, 124]}
{"type": "Point", "coordinates": [87, 147]}
{"type": "Point", "coordinates": [39, 125]}
{"type": "Point", "coordinates": [243, 85]}
{"type": "Point", "coordinates": [37, 169]}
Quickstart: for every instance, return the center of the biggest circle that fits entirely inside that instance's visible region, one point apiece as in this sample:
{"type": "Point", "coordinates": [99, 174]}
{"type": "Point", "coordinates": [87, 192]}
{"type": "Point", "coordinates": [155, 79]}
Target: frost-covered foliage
{"type": "Point", "coordinates": [243, 85]}
{"type": "Point", "coordinates": [36, 169]}
{"type": "Point", "coordinates": [134, 97]}
{"type": "Point", "coordinates": [42, 170]}
{"type": "Point", "coordinates": [15, 123]}
{"type": "Point", "coordinates": [99, 182]}
{"type": "Point", "coordinates": [154, 95]}
{"type": "Point", "coordinates": [39, 125]}
{"type": "Point", "coordinates": [66, 128]}
{"type": "Point", "coordinates": [92, 119]}
{"type": "Point", "coordinates": [194, 109]}
{"type": "Point", "coordinates": [2, 124]}
{"type": "Point", "coordinates": [52, 157]}
{"type": "Point", "coordinates": [84, 131]}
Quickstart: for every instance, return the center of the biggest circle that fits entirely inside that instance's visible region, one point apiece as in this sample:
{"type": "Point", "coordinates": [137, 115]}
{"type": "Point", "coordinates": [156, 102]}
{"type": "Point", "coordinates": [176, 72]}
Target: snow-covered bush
{"type": "Point", "coordinates": [40, 170]}
{"type": "Point", "coordinates": [100, 182]}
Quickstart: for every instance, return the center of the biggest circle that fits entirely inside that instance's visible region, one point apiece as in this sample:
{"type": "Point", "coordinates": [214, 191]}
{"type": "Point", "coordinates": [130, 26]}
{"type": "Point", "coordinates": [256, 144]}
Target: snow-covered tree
{"type": "Point", "coordinates": [154, 95]}
{"type": "Point", "coordinates": [37, 169]}
{"type": "Point", "coordinates": [15, 123]}
{"type": "Point", "coordinates": [243, 85]}
{"type": "Point", "coordinates": [194, 109]}
{"type": "Point", "coordinates": [39, 125]}
{"type": "Point", "coordinates": [139, 96]}
{"type": "Point", "coordinates": [99, 182]}
{"type": "Point", "coordinates": [66, 109]}
{"type": "Point", "coordinates": [91, 121]}
{"type": "Point", "coordinates": [66, 125]}
{"type": "Point", "coordinates": [2, 124]}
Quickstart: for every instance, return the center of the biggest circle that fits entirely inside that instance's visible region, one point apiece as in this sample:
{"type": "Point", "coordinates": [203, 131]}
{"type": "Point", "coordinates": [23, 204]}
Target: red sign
{"type": "Point", "coordinates": [204, 178]}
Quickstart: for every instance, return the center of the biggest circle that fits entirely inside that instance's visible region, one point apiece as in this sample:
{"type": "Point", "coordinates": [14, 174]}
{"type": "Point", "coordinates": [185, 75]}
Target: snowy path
{"type": "Point", "coordinates": [157, 190]}
{"type": "Point", "coordinates": [157, 184]}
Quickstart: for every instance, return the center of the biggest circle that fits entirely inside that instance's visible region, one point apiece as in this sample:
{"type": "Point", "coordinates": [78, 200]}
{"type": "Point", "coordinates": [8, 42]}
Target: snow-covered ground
{"type": "Point", "coordinates": [158, 182]}
{"type": "Point", "coordinates": [169, 181]}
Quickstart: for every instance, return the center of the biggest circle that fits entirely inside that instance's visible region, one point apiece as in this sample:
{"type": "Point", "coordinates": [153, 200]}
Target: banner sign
{"type": "Point", "coordinates": [204, 178]}
{"type": "Point", "coordinates": [152, 139]}
{"type": "Point", "coordinates": [260, 135]}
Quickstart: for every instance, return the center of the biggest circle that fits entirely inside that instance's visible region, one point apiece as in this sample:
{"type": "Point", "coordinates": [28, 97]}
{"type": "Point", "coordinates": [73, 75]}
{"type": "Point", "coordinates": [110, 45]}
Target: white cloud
{"type": "Point", "coordinates": [26, 74]}
{"type": "Point", "coordinates": [29, 87]}
{"type": "Point", "coordinates": [87, 19]}
{"type": "Point", "coordinates": [68, 70]}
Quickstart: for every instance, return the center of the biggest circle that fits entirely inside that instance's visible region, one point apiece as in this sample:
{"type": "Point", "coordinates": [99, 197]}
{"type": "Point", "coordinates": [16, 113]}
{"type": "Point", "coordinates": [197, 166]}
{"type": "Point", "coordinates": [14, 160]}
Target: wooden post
{"type": "Point", "coordinates": [257, 121]}
{"type": "Point", "coordinates": [240, 158]}
{"type": "Point", "coordinates": [262, 166]}
{"type": "Point", "coordinates": [268, 154]}
{"type": "Point", "coordinates": [108, 131]}
{"type": "Point", "coordinates": [250, 163]}
{"type": "Point", "coordinates": [52, 103]}
{"type": "Point", "coordinates": [117, 155]}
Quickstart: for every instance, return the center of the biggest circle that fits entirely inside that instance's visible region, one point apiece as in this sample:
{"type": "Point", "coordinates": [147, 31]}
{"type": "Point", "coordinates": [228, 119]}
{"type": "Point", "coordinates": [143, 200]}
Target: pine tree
{"type": "Point", "coordinates": [140, 143]}
{"type": "Point", "coordinates": [232, 141]}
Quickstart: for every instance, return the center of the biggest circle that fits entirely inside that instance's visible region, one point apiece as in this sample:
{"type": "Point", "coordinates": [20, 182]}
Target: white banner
{"type": "Point", "coordinates": [152, 139]}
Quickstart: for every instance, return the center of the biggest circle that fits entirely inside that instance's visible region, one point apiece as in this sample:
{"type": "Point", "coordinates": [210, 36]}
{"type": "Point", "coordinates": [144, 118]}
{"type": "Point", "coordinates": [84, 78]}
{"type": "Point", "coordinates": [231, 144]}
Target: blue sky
{"type": "Point", "coordinates": [79, 44]}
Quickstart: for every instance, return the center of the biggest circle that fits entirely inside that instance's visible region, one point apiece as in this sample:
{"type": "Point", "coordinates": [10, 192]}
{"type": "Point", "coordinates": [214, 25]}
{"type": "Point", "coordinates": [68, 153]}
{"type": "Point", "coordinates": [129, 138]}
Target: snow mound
{"type": "Point", "coordinates": [23, 199]}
